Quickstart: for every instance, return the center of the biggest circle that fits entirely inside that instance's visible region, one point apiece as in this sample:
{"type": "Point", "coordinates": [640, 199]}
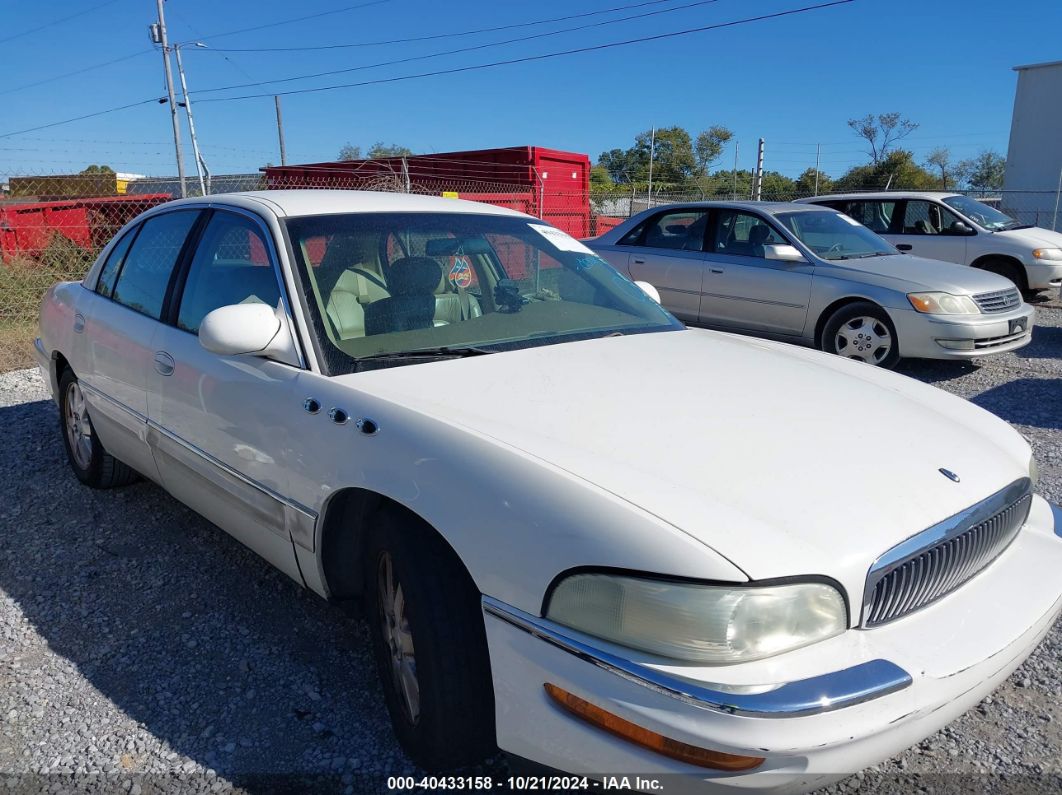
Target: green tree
{"type": "Point", "coordinates": [805, 184]}
{"type": "Point", "coordinates": [709, 146]}
{"type": "Point", "coordinates": [94, 169]}
{"type": "Point", "coordinates": [672, 154]}
{"type": "Point", "coordinates": [984, 172]}
{"type": "Point", "coordinates": [897, 170]}
{"type": "Point", "coordinates": [380, 150]}
{"type": "Point", "coordinates": [882, 132]}
{"type": "Point", "coordinates": [349, 152]}
{"type": "Point", "coordinates": [777, 187]}
{"type": "Point", "coordinates": [600, 178]}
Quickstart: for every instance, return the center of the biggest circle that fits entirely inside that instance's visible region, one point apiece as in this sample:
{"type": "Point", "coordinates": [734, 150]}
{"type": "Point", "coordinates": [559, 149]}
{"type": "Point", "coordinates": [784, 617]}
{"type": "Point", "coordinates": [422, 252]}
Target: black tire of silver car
{"type": "Point", "coordinates": [862, 331]}
{"type": "Point", "coordinates": [428, 637]}
{"type": "Point", "coordinates": [1008, 270]}
{"type": "Point", "coordinates": [92, 464]}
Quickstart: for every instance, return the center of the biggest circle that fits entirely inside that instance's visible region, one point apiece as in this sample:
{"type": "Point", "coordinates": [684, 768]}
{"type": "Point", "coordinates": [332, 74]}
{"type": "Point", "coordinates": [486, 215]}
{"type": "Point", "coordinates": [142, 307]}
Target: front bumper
{"type": "Point", "coordinates": [1044, 275]}
{"type": "Point", "coordinates": [879, 691]}
{"type": "Point", "coordinates": [923, 336]}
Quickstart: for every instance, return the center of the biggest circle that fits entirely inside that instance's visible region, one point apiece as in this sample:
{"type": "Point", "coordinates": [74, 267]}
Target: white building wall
{"type": "Point", "coordinates": [1034, 155]}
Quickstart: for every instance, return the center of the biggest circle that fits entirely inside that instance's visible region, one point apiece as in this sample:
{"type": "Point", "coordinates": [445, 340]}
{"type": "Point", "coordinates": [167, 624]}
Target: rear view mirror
{"type": "Point", "coordinates": [649, 290]}
{"type": "Point", "coordinates": [783, 253]}
{"type": "Point", "coordinates": [256, 329]}
{"type": "Point", "coordinates": [448, 246]}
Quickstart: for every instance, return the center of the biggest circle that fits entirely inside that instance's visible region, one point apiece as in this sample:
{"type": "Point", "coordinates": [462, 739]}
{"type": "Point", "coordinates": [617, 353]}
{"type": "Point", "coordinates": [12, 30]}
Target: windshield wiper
{"type": "Point", "coordinates": [1012, 228]}
{"type": "Point", "coordinates": [443, 352]}
{"type": "Point", "coordinates": [864, 256]}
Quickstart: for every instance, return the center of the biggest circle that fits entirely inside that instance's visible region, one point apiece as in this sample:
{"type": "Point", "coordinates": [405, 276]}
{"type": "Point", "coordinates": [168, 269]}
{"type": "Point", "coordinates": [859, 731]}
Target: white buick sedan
{"type": "Point", "coordinates": [580, 532]}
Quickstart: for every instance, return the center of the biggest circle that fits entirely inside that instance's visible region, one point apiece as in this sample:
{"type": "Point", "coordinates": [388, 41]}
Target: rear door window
{"type": "Point", "coordinates": [145, 275]}
{"type": "Point", "coordinates": [875, 215]}
{"type": "Point", "coordinates": [109, 272]}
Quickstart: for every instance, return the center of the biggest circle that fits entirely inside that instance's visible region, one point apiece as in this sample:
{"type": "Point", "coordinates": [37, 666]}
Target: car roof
{"type": "Point", "coordinates": [771, 208]}
{"type": "Point", "coordinates": [891, 194]}
{"type": "Point", "coordinates": [297, 203]}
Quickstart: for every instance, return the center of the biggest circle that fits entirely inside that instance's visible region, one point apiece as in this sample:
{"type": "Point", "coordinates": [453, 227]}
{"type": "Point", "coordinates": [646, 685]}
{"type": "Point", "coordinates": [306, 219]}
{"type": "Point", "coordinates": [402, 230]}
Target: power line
{"type": "Point", "coordinates": [543, 57]}
{"type": "Point", "coordinates": [59, 21]}
{"type": "Point", "coordinates": [295, 19]}
{"type": "Point", "coordinates": [459, 50]}
{"type": "Point", "coordinates": [436, 36]}
{"type": "Point", "coordinates": [80, 118]}
{"type": "Point", "coordinates": [80, 71]}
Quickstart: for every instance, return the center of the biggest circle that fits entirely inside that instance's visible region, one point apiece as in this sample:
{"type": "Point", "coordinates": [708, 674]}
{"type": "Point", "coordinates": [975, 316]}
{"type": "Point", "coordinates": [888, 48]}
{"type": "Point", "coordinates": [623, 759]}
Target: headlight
{"type": "Point", "coordinates": [1047, 253]}
{"type": "Point", "coordinates": [1034, 471]}
{"type": "Point", "coordinates": [699, 623]}
{"type": "Point", "coordinates": [943, 304]}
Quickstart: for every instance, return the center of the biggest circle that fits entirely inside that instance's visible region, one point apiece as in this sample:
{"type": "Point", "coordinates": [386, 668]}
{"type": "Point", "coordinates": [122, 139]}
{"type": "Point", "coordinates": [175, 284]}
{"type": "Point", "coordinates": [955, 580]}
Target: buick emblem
{"type": "Point", "coordinates": [949, 474]}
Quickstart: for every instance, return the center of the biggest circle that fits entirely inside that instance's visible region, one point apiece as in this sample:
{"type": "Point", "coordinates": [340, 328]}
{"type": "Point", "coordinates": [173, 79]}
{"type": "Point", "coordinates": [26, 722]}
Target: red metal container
{"type": "Point", "coordinates": [27, 229]}
{"type": "Point", "coordinates": [547, 183]}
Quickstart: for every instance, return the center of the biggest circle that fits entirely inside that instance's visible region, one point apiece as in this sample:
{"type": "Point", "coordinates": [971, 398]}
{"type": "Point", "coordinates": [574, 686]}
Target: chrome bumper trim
{"type": "Point", "coordinates": [825, 693]}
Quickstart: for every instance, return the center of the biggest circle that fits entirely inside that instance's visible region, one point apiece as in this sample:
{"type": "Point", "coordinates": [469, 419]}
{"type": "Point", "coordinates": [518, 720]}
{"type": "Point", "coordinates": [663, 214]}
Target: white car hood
{"type": "Point", "coordinates": [1036, 237]}
{"type": "Point", "coordinates": [783, 460]}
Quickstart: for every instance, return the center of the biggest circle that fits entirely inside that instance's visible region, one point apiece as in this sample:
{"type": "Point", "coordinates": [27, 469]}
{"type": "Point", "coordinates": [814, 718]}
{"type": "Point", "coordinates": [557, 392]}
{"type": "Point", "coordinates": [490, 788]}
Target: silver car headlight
{"type": "Point", "coordinates": [711, 624]}
{"type": "Point", "coordinates": [943, 304]}
{"type": "Point", "coordinates": [1047, 253]}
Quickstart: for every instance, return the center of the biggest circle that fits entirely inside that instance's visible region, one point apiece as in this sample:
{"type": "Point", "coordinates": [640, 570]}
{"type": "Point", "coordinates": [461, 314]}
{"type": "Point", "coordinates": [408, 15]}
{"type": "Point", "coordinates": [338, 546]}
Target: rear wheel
{"type": "Point", "coordinates": [862, 331]}
{"type": "Point", "coordinates": [92, 464]}
{"type": "Point", "coordinates": [430, 646]}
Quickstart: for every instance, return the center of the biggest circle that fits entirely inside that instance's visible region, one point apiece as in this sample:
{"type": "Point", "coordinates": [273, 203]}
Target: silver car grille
{"type": "Point", "coordinates": [998, 301]}
{"type": "Point", "coordinates": [934, 563]}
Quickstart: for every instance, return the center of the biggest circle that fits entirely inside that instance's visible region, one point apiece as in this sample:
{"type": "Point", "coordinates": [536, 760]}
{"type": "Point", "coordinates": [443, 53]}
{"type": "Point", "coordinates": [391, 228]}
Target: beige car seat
{"type": "Point", "coordinates": [352, 262]}
{"type": "Point", "coordinates": [452, 304]}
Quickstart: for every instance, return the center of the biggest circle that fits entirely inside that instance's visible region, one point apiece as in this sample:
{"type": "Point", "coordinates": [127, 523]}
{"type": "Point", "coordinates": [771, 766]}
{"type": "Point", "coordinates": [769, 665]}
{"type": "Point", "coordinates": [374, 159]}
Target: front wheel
{"type": "Point", "coordinates": [430, 645]}
{"type": "Point", "coordinates": [92, 464]}
{"type": "Point", "coordinates": [862, 331]}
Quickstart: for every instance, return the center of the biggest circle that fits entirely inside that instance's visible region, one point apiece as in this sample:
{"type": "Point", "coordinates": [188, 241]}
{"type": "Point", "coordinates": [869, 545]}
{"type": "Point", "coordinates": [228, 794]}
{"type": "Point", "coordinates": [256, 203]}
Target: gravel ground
{"type": "Point", "coordinates": [188, 664]}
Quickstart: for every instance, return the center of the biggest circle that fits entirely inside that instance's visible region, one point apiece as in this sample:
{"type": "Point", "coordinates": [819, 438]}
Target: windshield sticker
{"type": "Point", "coordinates": [461, 273]}
{"type": "Point", "coordinates": [852, 221]}
{"type": "Point", "coordinates": [561, 240]}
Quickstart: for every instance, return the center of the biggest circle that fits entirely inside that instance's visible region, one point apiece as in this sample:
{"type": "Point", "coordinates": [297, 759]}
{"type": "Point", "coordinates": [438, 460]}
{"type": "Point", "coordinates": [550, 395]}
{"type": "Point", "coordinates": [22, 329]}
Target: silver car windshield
{"type": "Point", "coordinates": [402, 288]}
{"type": "Point", "coordinates": [981, 214]}
{"type": "Point", "coordinates": [835, 236]}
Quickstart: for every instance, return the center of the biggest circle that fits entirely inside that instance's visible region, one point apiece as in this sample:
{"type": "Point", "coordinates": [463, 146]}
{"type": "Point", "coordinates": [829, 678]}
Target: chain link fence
{"type": "Point", "coordinates": [53, 227]}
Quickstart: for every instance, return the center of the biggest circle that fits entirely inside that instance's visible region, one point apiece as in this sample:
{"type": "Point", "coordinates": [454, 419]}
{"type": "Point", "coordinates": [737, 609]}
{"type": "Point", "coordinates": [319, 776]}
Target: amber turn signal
{"type": "Point", "coordinates": [658, 743]}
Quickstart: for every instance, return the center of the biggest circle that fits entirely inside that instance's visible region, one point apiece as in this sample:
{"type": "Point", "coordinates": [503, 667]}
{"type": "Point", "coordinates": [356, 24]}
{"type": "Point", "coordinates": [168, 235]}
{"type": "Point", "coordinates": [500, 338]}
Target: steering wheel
{"type": "Point", "coordinates": [833, 248]}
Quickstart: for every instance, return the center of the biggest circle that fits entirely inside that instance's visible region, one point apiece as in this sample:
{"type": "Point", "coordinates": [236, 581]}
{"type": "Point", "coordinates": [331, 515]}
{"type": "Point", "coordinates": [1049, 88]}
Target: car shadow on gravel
{"type": "Point", "coordinates": [205, 656]}
{"type": "Point", "coordinates": [1035, 402]}
{"type": "Point", "coordinates": [936, 371]}
{"type": "Point", "coordinates": [1046, 344]}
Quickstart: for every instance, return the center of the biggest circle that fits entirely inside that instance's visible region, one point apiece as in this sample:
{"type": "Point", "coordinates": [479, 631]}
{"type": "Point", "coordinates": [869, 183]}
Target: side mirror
{"type": "Point", "coordinates": [256, 329]}
{"type": "Point", "coordinates": [649, 290]}
{"type": "Point", "coordinates": [783, 253]}
{"type": "Point", "coordinates": [961, 228]}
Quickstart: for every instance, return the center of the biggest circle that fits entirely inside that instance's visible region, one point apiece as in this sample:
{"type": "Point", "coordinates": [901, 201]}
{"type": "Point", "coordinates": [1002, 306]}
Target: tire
{"type": "Point", "coordinates": [1008, 270]}
{"type": "Point", "coordinates": [862, 331]}
{"type": "Point", "coordinates": [435, 622]}
{"type": "Point", "coordinates": [92, 464]}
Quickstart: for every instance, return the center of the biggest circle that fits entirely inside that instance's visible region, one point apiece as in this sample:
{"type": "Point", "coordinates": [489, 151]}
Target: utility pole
{"type": "Point", "coordinates": [1058, 192]}
{"type": "Point", "coordinates": [280, 132]}
{"type": "Point", "coordinates": [200, 164]}
{"type": "Point", "coordinates": [817, 169]}
{"type": "Point", "coordinates": [737, 147]}
{"type": "Point", "coordinates": [158, 35]}
{"type": "Point", "coordinates": [757, 180]}
{"type": "Point", "coordinates": [652, 152]}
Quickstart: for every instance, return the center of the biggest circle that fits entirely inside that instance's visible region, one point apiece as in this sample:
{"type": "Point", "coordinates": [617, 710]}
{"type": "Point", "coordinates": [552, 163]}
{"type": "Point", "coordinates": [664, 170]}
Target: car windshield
{"type": "Point", "coordinates": [834, 236]}
{"type": "Point", "coordinates": [981, 214]}
{"type": "Point", "coordinates": [395, 288]}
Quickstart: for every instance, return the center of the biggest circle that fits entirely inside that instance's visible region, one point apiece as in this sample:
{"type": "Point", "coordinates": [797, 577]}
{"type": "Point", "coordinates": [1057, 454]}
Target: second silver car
{"type": "Point", "coordinates": [812, 275]}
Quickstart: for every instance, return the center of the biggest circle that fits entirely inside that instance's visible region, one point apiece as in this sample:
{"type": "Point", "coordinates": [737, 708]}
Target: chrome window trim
{"type": "Point", "coordinates": [825, 693]}
{"type": "Point", "coordinates": [939, 533]}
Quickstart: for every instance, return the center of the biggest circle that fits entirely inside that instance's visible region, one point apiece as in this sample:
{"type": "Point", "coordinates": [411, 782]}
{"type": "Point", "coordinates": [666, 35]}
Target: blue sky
{"type": "Point", "coordinates": [794, 80]}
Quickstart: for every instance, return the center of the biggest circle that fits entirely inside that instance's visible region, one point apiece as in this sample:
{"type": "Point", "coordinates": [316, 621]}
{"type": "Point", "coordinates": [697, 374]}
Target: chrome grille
{"type": "Point", "coordinates": [998, 301]}
{"type": "Point", "coordinates": [939, 560]}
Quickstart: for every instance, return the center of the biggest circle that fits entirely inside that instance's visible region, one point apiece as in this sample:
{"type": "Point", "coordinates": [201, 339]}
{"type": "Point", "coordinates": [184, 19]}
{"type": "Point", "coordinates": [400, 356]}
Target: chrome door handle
{"type": "Point", "coordinates": [164, 363]}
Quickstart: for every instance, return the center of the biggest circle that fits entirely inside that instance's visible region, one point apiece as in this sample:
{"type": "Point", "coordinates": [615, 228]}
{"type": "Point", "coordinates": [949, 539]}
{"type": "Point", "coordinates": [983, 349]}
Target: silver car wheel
{"type": "Point", "coordinates": [864, 338]}
{"type": "Point", "coordinates": [78, 426]}
{"type": "Point", "coordinates": [399, 638]}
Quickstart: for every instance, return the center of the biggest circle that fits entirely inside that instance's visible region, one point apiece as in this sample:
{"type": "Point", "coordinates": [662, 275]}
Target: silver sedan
{"type": "Point", "coordinates": [814, 276]}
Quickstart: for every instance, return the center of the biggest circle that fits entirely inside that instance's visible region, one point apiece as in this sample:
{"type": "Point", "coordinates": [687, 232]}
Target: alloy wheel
{"type": "Point", "coordinates": [78, 426]}
{"type": "Point", "coordinates": [398, 637]}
